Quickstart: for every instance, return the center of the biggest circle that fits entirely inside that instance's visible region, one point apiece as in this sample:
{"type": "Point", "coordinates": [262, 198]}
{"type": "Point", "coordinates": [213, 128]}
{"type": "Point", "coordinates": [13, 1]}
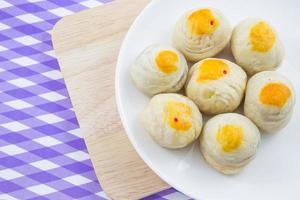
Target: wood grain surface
{"type": "Point", "coordinates": [87, 45]}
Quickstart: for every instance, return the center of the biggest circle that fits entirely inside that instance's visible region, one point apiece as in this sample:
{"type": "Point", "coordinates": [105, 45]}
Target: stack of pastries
{"type": "Point", "coordinates": [215, 87]}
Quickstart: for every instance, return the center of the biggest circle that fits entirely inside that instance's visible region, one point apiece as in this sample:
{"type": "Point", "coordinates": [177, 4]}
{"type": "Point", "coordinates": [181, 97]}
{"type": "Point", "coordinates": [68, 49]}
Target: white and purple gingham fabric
{"type": "Point", "coordinates": [42, 153]}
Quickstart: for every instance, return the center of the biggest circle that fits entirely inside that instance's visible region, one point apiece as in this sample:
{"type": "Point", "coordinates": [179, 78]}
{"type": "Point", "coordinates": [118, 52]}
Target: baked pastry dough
{"type": "Point", "coordinates": [159, 69]}
{"type": "Point", "coordinates": [269, 101]}
{"type": "Point", "coordinates": [172, 120]}
{"type": "Point", "coordinates": [229, 142]}
{"type": "Point", "coordinates": [201, 33]}
{"type": "Point", "coordinates": [216, 85]}
{"type": "Point", "coordinates": [256, 46]}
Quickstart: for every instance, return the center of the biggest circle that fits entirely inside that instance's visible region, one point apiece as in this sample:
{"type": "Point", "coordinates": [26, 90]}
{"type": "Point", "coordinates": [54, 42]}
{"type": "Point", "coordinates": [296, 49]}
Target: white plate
{"type": "Point", "coordinates": [275, 173]}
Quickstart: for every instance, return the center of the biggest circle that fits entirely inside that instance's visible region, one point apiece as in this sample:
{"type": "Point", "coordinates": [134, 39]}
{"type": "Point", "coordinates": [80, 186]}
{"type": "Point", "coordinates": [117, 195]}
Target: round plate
{"type": "Point", "coordinates": [275, 173]}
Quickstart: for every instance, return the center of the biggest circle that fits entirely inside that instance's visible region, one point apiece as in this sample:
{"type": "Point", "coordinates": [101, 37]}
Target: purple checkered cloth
{"type": "Point", "coordinates": [42, 153]}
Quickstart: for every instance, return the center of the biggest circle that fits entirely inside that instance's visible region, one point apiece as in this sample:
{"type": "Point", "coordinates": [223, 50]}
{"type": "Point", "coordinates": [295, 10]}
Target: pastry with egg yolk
{"type": "Point", "coordinates": [256, 46]}
{"type": "Point", "coordinates": [201, 33]}
{"type": "Point", "coordinates": [269, 101]}
{"type": "Point", "coordinates": [159, 69]}
{"type": "Point", "coordinates": [229, 142]}
{"type": "Point", "coordinates": [216, 85]}
{"type": "Point", "coordinates": [172, 120]}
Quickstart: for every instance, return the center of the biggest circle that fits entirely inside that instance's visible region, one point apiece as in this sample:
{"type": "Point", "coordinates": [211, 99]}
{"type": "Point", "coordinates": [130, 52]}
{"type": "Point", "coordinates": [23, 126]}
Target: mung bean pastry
{"type": "Point", "coordinates": [256, 46]}
{"type": "Point", "coordinates": [172, 120]}
{"type": "Point", "coordinates": [269, 101]}
{"type": "Point", "coordinates": [229, 142]}
{"type": "Point", "coordinates": [159, 69]}
{"type": "Point", "coordinates": [201, 33]}
{"type": "Point", "coordinates": [216, 85]}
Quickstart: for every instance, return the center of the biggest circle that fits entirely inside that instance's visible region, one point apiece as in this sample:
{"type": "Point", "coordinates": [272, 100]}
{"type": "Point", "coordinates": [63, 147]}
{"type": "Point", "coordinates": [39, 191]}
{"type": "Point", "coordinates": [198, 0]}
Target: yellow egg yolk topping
{"type": "Point", "coordinates": [230, 137]}
{"type": "Point", "coordinates": [275, 94]}
{"type": "Point", "coordinates": [167, 61]}
{"type": "Point", "coordinates": [212, 70]}
{"type": "Point", "coordinates": [262, 37]}
{"type": "Point", "coordinates": [202, 22]}
{"type": "Point", "coordinates": [178, 115]}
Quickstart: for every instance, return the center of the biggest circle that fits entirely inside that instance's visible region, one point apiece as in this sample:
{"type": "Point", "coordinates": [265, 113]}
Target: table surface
{"type": "Point", "coordinates": [42, 153]}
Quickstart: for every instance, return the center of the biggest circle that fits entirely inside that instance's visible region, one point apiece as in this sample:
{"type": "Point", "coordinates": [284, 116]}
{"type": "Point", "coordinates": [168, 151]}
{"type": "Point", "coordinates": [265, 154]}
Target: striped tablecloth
{"type": "Point", "coordinates": [42, 154]}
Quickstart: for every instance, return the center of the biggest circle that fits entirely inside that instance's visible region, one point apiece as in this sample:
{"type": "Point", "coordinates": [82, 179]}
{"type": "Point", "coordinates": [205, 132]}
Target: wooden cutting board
{"type": "Point", "coordinates": [87, 45]}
